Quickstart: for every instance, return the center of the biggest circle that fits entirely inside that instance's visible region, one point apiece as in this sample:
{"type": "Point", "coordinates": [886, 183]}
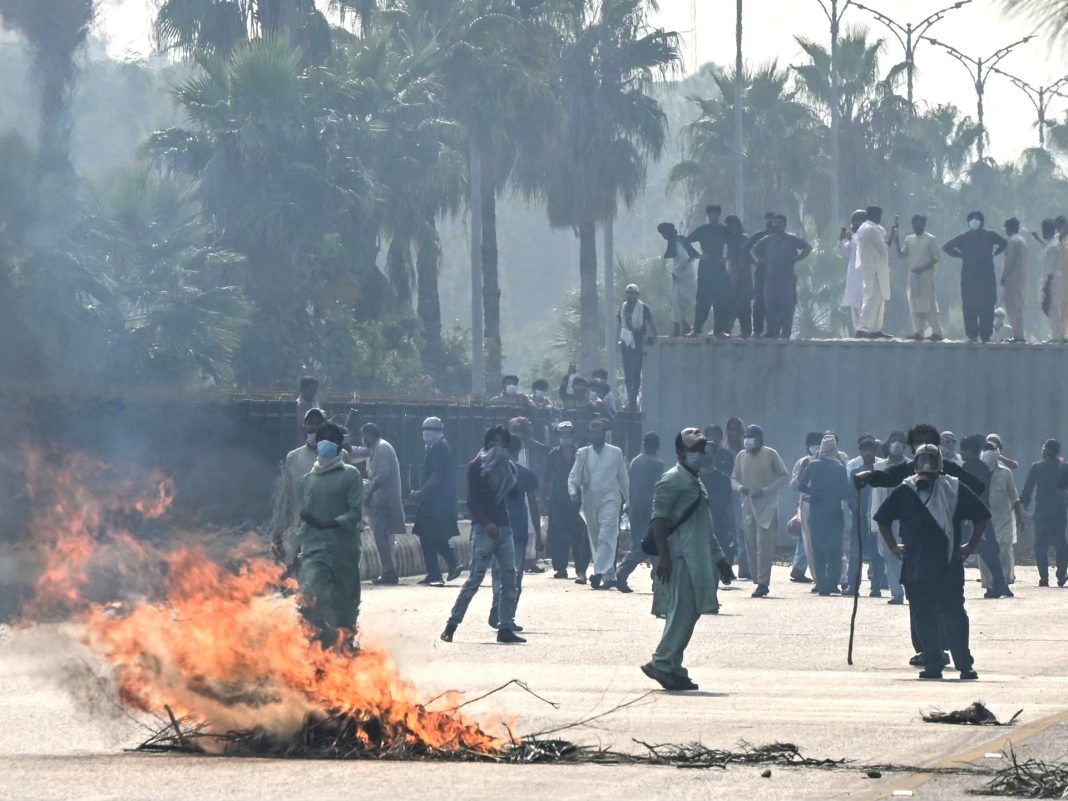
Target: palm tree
{"type": "Point", "coordinates": [781, 154]}
{"type": "Point", "coordinates": [606, 57]}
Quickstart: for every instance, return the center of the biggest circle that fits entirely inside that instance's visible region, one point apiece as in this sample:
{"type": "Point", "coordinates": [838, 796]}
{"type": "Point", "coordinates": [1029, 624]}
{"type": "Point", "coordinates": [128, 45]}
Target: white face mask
{"type": "Point", "coordinates": [990, 459]}
{"type": "Point", "coordinates": [974, 224]}
{"type": "Point", "coordinates": [749, 443]}
{"type": "Point", "coordinates": [897, 448]}
{"type": "Point", "coordinates": [309, 439]}
{"type": "Point", "coordinates": [813, 450]}
{"type": "Point", "coordinates": [430, 437]}
{"type": "Point", "coordinates": [511, 389]}
{"type": "Point", "coordinates": [540, 394]}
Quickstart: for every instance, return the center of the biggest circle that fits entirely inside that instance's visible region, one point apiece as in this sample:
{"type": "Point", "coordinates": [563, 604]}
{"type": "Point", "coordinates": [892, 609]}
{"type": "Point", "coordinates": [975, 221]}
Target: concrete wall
{"type": "Point", "coordinates": [791, 388]}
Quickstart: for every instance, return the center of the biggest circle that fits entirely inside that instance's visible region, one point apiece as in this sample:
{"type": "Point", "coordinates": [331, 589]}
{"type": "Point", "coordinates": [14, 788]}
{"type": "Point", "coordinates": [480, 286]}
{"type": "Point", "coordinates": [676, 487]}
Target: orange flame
{"type": "Point", "coordinates": [223, 647]}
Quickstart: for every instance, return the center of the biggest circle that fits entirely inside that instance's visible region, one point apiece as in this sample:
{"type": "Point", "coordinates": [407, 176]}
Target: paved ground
{"type": "Point", "coordinates": [769, 670]}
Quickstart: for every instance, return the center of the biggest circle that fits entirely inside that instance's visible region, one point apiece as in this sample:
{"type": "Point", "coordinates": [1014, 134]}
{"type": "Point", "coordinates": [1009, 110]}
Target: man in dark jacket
{"type": "Point", "coordinates": [1043, 482]}
{"type": "Point", "coordinates": [976, 248]}
{"type": "Point", "coordinates": [567, 530]}
{"type": "Point", "coordinates": [435, 514]}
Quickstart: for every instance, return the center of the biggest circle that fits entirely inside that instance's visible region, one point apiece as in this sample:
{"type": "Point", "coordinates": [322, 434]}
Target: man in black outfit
{"type": "Point", "coordinates": [713, 289]}
{"type": "Point", "coordinates": [976, 248]}
{"type": "Point", "coordinates": [1043, 482]}
{"type": "Point", "coordinates": [716, 469]}
{"type": "Point", "coordinates": [760, 273]}
{"type": "Point", "coordinates": [988, 550]}
{"type": "Point", "coordinates": [929, 508]}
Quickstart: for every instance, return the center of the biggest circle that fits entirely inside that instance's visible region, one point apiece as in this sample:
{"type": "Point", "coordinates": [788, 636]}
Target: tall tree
{"type": "Point", "coordinates": [607, 55]}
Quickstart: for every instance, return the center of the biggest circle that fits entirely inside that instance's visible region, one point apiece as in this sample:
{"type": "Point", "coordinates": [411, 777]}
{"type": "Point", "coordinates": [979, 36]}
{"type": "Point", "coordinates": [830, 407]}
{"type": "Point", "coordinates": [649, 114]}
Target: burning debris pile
{"type": "Point", "coordinates": [975, 715]}
{"type": "Point", "coordinates": [219, 643]}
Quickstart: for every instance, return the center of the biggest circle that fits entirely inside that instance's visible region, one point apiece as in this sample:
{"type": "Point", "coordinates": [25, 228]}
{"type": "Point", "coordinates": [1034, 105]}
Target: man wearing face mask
{"type": "Point", "coordinates": [826, 483]}
{"type": "Point", "coordinates": [921, 253]}
{"type": "Point", "coordinates": [599, 481]}
{"type": "Point", "coordinates": [976, 248]}
{"type": "Point", "coordinates": [511, 396]}
{"type": "Point", "coordinates": [735, 431]}
{"type": "Point", "coordinates": [758, 476]}
{"type": "Point", "coordinates": [382, 497]}
{"type": "Point", "coordinates": [298, 463]}
{"type": "Point", "coordinates": [690, 562]}
{"type": "Point", "coordinates": [491, 482]}
{"type": "Point", "coordinates": [1044, 479]}
{"type": "Point", "coordinates": [947, 444]}
{"type": "Point", "coordinates": [868, 447]}
{"type": "Point", "coordinates": [929, 509]}
{"type": "Point", "coordinates": [532, 455]}
{"type": "Point", "coordinates": [971, 448]}
{"type": "Point", "coordinates": [435, 515]}
{"type": "Point", "coordinates": [331, 518]}
{"type": "Point", "coordinates": [1006, 512]}
{"type": "Point", "coordinates": [567, 531]}
{"type": "Point", "coordinates": [804, 559]}
{"type": "Point", "coordinates": [540, 395]}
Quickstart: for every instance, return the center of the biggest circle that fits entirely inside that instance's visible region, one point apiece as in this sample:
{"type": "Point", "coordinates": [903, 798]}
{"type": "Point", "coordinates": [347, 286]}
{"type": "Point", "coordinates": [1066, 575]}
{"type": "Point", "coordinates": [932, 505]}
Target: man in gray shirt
{"type": "Point", "coordinates": [382, 498]}
{"type": "Point", "coordinates": [645, 470]}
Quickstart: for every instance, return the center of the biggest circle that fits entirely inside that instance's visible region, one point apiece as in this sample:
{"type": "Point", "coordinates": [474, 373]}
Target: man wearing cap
{"type": "Point", "coordinates": [690, 561]}
{"type": "Point", "coordinates": [929, 509]}
{"type": "Point", "coordinates": [758, 476]}
{"type": "Point", "coordinates": [1044, 480]}
{"type": "Point", "coordinates": [599, 481]}
{"type": "Point", "coordinates": [435, 515]}
{"type": "Point", "coordinates": [567, 531]}
{"type": "Point", "coordinates": [636, 330]}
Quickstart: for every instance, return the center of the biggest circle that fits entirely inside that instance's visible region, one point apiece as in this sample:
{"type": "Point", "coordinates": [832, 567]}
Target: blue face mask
{"type": "Point", "coordinates": [326, 449]}
{"type": "Point", "coordinates": [693, 460]}
{"type": "Point", "coordinates": [974, 224]}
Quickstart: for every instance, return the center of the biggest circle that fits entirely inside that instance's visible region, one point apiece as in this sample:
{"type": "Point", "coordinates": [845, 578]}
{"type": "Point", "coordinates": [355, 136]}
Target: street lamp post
{"type": "Point", "coordinates": [834, 13]}
{"type": "Point", "coordinates": [1040, 97]}
{"type": "Point", "coordinates": [739, 134]}
{"type": "Point", "coordinates": [979, 69]}
{"type": "Point", "coordinates": [908, 34]}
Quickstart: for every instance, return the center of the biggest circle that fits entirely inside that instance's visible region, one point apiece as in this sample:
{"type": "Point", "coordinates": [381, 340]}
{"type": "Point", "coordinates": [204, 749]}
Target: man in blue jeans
{"type": "Point", "coordinates": [522, 512]}
{"type": "Point", "coordinates": [491, 481]}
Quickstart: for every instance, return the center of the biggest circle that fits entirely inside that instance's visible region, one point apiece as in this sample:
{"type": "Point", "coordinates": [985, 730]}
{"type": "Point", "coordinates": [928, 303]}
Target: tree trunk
{"type": "Point", "coordinates": [399, 271]}
{"type": "Point", "coordinates": [491, 287]}
{"type": "Point", "coordinates": [611, 333]}
{"type": "Point", "coordinates": [367, 10]}
{"type": "Point", "coordinates": [478, 365]}
{"type": "Point", "coordinates": [428, 303]}
{"type": "Point", "coordinates": [588, 297]}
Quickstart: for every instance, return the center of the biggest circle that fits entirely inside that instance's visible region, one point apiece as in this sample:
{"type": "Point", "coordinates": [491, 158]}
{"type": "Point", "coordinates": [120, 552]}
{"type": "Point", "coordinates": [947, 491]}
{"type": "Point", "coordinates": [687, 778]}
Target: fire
{"type": "Point", "coordinates": [220, 646]}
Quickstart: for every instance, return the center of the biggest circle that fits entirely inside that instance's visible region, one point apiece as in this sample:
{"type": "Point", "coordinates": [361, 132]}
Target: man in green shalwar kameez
{"type": "Point", "coordinates": [332, 500]}
{"type": "Point", "coordinates": [690, 561]}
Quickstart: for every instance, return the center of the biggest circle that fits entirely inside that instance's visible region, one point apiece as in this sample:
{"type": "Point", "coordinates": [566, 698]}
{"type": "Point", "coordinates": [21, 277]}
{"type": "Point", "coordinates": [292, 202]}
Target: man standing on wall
{"type": "Point", "coordinates": [779, 252]}
{"type": "Point", "coordinates": [921, 253]}
{"type": "Point", "coordinates": [976, 248]}
{"type": "Point", "coordinates": [873, 261]}
{"type": "Point", "coordinates": [1014, 279]}
{"type": "Point", "coordinates": [712, 285]}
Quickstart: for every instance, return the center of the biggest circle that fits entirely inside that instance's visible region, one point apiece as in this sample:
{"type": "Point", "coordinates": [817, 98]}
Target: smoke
{"type": "Point", "coordinates": [55, 30]}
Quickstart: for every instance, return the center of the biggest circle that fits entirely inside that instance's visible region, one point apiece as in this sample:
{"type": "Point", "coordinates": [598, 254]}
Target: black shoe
{"type": "Point", "coordinates": [595, 581]}
{"type": "Point", "coordinates": [608, 585]}
{"type": "Point", "coordinates": [814, 590]}
{"type": "Point", "coordinates": [494, 620]}
{"type": "Point", "coordinates": [992, 594]}
{"type": "Point", "coordinates": [580, 580]}
{"type": "Point", "coordinates": [745, 577]}
{"type": "Point", "coordinates": [387, 580]}
{"type": "Point", "coordinates": [968, 675]}
{"type": "Point", "coordinates": [799, 578]}
{"type": "Point", "coordinates": [430, 580]}
{"type": "Point", "coordinates": [875, 594]}
{"type": "Point", "coordinates": [825, 594]}
{"type": "Point", "coordinates": [896, 601]}
{"type": "Point", "coordinates": [508, 637]}
{"type": "Point", "coordinates": [760, 592]}
{"type": "Point", "coordinates": [916, 661]}
{"type": "Point", "coordinates": [1043, 582]}
{"type": "Point", "coordinates": [454, 573]}
{"type": "Point", "coordinates": [881, 335]}
{"type": "Point", "coordinates": [1062, 580]}
{"type": "Point", "coordinates": [937, 337]}
{"type": "Point", "coordinates": [930, 674]}
{"type": "Point", "coordinates": [686, 684]}
{"type": "Point", "coordinates": [623, 587]}
{"type": "Point", "coordinates": [535, 568]}
{"type": "Point", "coordinates": [917, 337]}
{"type": "Point", "coordinates": [861, 335]}
{"type": "Point", "coordinates": [560, 574]}
{"type": "Point", "coordinates": [1007, 593]}
{"type": "Point", "coordinates": [665, 680]}
{"type": "Point", "coordinates": [450, 629]}
{"type": "Point", "coordinates": [516, 627]}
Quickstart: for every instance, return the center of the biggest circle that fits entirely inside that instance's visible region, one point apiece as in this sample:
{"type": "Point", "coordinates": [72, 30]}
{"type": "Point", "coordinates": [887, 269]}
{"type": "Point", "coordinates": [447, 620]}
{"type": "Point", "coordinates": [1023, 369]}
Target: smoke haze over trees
{"type": "Point", "coordinates": [289, 191]}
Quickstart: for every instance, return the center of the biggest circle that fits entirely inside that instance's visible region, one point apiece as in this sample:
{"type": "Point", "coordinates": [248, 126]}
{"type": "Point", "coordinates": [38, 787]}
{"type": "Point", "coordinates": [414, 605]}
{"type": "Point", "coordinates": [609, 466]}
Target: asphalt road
{"type": "Point", "coordinates": [771, 670]}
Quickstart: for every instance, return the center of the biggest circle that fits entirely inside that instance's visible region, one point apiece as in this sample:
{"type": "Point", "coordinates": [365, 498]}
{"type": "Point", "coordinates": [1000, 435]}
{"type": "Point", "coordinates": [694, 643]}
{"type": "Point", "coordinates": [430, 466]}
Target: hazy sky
{"type": "Point", "coordinates": [707, 27]}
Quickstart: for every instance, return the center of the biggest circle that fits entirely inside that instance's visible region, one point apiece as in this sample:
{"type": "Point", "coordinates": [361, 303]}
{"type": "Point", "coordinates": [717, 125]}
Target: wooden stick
{"type": "Point", "coordinates": [177, 728]}
{"type": "Point", "coordinates": [856, 579]}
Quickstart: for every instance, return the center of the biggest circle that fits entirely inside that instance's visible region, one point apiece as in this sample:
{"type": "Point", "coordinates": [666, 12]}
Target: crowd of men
{"type": "Point", "coordinates": [903, 514]}
{"type": "Point", "coordinates": [749, 282]}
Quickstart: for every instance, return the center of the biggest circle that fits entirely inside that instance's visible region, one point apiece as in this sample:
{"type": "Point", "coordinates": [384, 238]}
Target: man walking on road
{"type": "Point", "coordinates": [599, 481]}
{"type": "Point", "coordinates": [758, 476]}
{"type": "Point", "coordinates": [1043, 482]}
{"type": "Point", "coordinates": [382, 499]}
{"type": "Point", "coordinates": [690, 562]}
{"type": "Point", "coordinates": [645, 470]}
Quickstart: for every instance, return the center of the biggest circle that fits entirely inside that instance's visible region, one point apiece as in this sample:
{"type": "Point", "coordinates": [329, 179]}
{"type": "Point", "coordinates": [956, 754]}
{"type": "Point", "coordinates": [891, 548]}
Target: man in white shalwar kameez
{"type": "Point", "coordinates": [873, 261]}
{"type": "Point", "coordinates": [599, 480]}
